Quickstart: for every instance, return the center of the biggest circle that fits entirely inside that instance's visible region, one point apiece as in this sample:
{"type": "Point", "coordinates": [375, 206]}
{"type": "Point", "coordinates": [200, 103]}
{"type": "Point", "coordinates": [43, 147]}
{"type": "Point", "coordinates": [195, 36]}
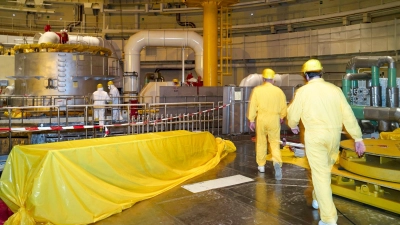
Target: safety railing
{"type": "Point", "coordinates": [70, 122]}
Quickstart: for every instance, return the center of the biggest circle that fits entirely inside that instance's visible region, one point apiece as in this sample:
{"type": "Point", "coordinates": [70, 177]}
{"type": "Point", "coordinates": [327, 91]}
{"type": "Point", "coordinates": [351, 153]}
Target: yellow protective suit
{"type": "Point", "coordinates": [323, 110]}
{"type": "Point", "coordinates": [268, 105]}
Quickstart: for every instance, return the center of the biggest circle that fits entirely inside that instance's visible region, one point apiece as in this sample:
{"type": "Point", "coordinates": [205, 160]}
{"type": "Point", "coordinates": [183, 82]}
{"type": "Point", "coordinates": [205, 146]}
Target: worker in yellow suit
{"type": "Point", "coordinates": [268, 106]}
{"type": "Point", "coordinates": [323, 109]}
{"type": "Point", "coordinates": [176, 82]}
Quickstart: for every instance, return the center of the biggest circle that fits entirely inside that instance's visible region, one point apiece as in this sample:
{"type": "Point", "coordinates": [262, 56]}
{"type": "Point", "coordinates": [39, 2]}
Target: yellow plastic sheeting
{"type": "Point", "coordinates": [394, 135]}
{"type": "Point", "coordinates": [288, 157]}
{"type": "Point", "coordinates": [83, 181]}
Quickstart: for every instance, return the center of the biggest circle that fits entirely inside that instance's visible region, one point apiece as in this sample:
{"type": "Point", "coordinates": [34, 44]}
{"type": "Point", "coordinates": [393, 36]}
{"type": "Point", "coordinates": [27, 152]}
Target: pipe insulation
{"type": "Point", "coordinates": [369, 61]}
{"type": "Point", "coordinates": [162, 38]}
{"type": "Point", "coordinates": [357, 76]}
{"type": "Point", "coordinates": [376, 113]}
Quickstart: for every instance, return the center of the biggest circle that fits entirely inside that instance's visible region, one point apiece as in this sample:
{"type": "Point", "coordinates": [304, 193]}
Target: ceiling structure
{"type": "Point", "coordinates": [109, 11]}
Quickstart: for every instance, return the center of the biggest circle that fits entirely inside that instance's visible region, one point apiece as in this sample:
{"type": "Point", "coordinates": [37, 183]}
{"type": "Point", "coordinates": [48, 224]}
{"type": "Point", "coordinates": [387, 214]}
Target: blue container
{"type": "Point", "coordinates": [3, 159]}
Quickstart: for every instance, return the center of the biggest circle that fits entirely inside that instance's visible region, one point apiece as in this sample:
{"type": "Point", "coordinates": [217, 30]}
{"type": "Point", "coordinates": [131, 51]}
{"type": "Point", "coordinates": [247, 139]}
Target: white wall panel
{"type": "Point", "coordinates": [293, 43]}
{"type": "Point", "coordinates": [273, 49]}
{"type": "Point", "coordinates": [151, 53]}
{"type": "Point", "coordinates": [237, 52]}
{"type": "Point", "coordinates": [237, 48]}
{"type": "Point", "coordinates": [171, 54]}
{"type": "Point", "coordinates": [284, 47]}
{"type": "Point", "coordinates": [250, 47]}
{"type": "Point", "coordinates": [353, 32]}
{"type": "Point", "coordinates": [391, 43]}
{"type": "Point", "coordinates": [273, 37]}
{"type": "Point", "coordinates": [365, 45]}
{"type": "Point", "coordinates": [261, 43]}
{"type": "Point", "coordinates": [3, 38]}
{"type": "Point", "coordinates": [261, 38]}
{"type": "Point", "coordinates": [303, 49]}
{"type": "Point", "coordinates": [373, 37]}
{"type": "Point", "coordinates": [379, 32]}
{"type": "Point", "coordinates": [352, 45]}
{"type": "Point", "coordinates": [313, 43]}
{"type": "Point", "coordinates": [161, 54]}
{"type": "Point", "coordinates": [324, 44]}
{"type": "Point", "coordinates": [379, 44]}
{"type": "Point", "coordinates": [338, 33]}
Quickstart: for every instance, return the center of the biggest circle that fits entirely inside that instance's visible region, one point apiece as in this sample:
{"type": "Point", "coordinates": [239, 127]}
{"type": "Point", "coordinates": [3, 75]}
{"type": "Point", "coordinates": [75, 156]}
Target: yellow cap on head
{"type": "Point", "coordinates": [268, 74]}
{"type": "Point", "coordinates": [312, 65]}
{"type": "Point", "coordinates": [110, 82]}
{"type": "Point", "coordinates": [99, 86]}
{"type": "Point", "coordinates": [175, 80]}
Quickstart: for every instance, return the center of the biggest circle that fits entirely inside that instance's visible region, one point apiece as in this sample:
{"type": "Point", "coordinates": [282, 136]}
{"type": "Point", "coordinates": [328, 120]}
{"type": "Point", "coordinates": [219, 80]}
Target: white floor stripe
{"type": "Point", "coordinates": [217, 183]}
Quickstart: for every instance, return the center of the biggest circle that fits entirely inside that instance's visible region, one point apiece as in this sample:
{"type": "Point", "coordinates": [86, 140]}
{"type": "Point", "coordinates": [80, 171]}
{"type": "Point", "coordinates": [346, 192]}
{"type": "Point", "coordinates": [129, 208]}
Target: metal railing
{"type": "Point", "coordinates": [71, 122]}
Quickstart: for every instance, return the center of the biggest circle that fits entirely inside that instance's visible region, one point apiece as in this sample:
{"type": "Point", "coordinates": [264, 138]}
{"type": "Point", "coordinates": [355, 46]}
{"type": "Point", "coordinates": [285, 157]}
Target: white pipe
{"type": "Point", "coordinates": [255, 79]}
{"type": "Point", "coordinates": [395, 38]}
{"type": "Point", "coordinates": [49, 37]}
{"type": "Point", "coordinates": [84, 40]}
{"type": "Point", "coordinates": [183, 65]}
{"type": "Point", "coordinates": [163, 38]}
{"type": "Point", "coordinates": [251, 80]}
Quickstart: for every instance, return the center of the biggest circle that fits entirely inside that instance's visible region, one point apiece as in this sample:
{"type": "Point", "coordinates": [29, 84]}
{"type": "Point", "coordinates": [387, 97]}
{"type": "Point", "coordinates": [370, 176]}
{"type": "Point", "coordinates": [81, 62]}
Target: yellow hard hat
{"type": "Point", "coordinates": [312, 65]}
{"type": "Point", "coordinates": [99, 86]}
{"type": "Point", "coordinates": [110, 82]}
{"type": "Point", "coordinates": [175, 80]}
{"type": "Point", "coordinates": [268, 74]}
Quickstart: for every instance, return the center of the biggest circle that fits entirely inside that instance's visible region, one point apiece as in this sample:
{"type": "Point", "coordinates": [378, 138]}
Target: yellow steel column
{"type": "Point", "coordinates": [210, 39]}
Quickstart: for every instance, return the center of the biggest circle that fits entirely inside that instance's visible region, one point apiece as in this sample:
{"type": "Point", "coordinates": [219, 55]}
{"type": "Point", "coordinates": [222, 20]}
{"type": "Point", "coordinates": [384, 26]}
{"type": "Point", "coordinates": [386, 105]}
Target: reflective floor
{"type": "Point", "coordinates": [263, 201]}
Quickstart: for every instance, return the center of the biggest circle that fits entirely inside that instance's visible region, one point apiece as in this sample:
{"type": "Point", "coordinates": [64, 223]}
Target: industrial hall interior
{"type": "Point", "coordinates": [240, 112]}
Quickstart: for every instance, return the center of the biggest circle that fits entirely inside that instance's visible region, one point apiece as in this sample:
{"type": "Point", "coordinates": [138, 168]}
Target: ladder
{"type": "Point", "coordinates": [224, 44]}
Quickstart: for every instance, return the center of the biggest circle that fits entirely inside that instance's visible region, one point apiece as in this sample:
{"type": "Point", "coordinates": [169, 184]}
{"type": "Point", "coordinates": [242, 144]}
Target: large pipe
{"type": "Point", "coordinates": [255, 79]}
{"type": "Point", "coordinates": [374, 62]}
{"type": "Point", "coordinates": [376, 113]}
{"type": "Point", "coordinates": [369, 61]}
{"type": "Point", "coordinates": [164, 38]}
{"type": "Point", "coordinates": [84, 40]}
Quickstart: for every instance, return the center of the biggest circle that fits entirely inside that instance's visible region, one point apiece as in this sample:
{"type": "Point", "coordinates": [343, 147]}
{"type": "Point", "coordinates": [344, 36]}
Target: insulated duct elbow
{"type": "Point", "coordinates": [49, 37]}
{"type": "Point", "coordinates": [369, 61]}
{"type": "Point", "coordinates": [357, 76]}
{"type": "Point", "coordinates": [162, 39]}
{"type": "Point", "coordinates": [251, 80]}
{"type": "Point", "coordinates": [138, 41]}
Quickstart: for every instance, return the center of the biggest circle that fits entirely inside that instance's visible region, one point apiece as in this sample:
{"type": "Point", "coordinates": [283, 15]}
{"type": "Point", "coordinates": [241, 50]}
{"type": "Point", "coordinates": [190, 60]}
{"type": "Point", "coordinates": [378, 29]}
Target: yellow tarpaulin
{"type": "Point", "coordinates": [288, 157]}
{"type": "Point", "coordinates": [394, 135]}
{"type": "Point", "coordinates": [83, 181]}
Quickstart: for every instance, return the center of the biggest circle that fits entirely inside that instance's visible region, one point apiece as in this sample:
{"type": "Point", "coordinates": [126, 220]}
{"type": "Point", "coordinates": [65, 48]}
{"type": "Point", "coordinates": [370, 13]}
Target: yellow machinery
{"type": "Point", "coordinates": [373, 179]}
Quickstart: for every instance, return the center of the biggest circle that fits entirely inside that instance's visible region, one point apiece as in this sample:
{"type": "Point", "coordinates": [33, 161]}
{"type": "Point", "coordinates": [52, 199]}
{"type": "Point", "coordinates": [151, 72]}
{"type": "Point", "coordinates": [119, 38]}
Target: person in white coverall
{"type": "Point", "coordinates": [100, 98]}
{"type": "Point", "coordinates": [323, 109]}
{"type": "Point", "coordinates": [267, 106]}
{"type": "Point", "coordinates": [114, 95]}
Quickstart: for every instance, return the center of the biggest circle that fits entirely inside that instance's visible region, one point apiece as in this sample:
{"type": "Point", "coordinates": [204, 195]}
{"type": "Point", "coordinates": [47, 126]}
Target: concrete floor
{"type": "Point", "coordinates": [264, 201]}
